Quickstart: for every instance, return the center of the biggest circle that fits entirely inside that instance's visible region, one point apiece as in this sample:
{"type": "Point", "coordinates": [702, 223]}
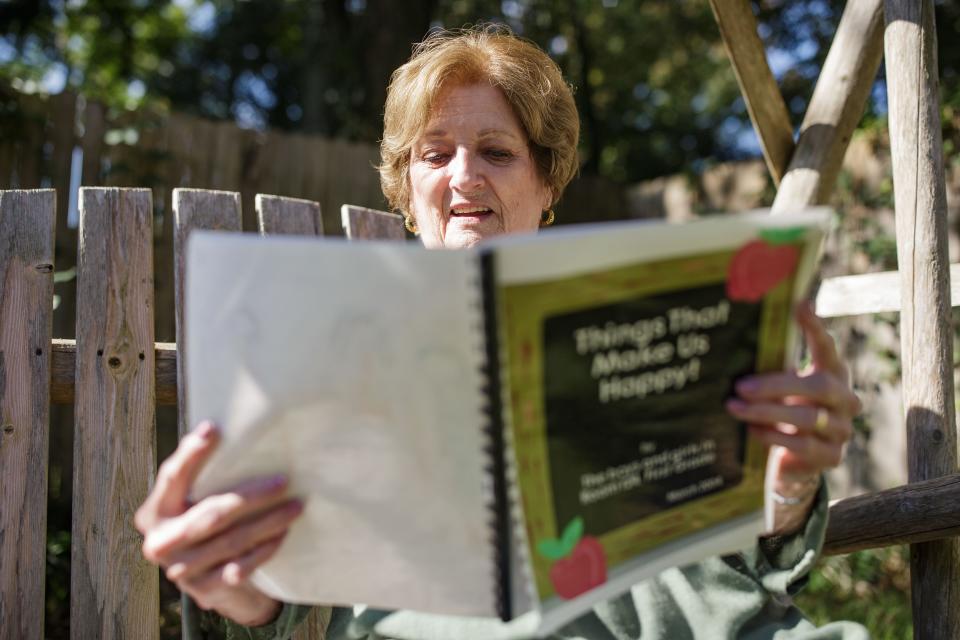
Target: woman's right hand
{"type": "Point", "coordinates": [210, 548]}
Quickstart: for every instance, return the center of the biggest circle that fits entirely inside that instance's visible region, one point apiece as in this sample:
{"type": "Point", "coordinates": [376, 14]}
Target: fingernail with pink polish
{"type": "Point", "coordinates": [747, 385]}
{"type": "Point", "coordinates": [737, 406]}
{"type": "Point", "coordinates": [206, 430]}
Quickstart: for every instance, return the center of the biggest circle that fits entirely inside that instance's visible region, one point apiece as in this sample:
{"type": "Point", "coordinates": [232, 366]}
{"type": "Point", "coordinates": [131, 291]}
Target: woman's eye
{"type": "Point", "coordinates": [434, 158]}
{"type": "Point", "coordinates": [499, 154]}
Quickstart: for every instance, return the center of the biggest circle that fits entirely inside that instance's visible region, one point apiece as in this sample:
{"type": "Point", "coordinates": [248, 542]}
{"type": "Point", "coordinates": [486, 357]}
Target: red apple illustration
{"type": "Point", "coordinates": [579, 561]}
{"type": "Point", "coordinates": [759, 266]}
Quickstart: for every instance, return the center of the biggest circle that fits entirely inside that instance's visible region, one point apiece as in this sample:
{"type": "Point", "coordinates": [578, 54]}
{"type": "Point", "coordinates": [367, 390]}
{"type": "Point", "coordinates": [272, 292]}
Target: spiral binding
{"type": "Point", "coordinates": [499, 508]}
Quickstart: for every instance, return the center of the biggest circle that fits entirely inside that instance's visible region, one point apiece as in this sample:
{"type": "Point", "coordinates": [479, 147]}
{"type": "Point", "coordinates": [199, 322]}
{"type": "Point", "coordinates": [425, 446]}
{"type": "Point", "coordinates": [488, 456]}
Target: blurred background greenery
{"type": "Point", "coordinates": [657, 98]}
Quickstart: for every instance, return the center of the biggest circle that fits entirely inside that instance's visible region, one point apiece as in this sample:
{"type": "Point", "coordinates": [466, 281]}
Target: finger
{"type": "Point", "coordinates": [801, 417]}
{"type": "Point", "coordinates": [234, 542]}
{"type": "Point", "coordinates": [820, 388]}
{"type": "Point", "coordinates": [178, 472]}
{"type": "Point", "coordinates": [823, 350]}
{"type": "Point", "coordinates": [205, 589]}
{"type": "Point", "coordinates": [211, 516]}
{"type": "Point", "coordinates": [813, 453]}
{"type": "Point", "coordinates": [240, 569]}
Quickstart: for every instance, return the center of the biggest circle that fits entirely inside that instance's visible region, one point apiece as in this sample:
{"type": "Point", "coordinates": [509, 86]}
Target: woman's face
{"type": "Point", "coordinates": [471, 172]}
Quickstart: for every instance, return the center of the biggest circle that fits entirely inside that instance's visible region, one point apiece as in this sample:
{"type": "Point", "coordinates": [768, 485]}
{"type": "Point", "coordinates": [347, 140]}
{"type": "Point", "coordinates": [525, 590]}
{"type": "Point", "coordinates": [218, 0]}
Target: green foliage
{"type": "Point", "coordinates": [870, 587]}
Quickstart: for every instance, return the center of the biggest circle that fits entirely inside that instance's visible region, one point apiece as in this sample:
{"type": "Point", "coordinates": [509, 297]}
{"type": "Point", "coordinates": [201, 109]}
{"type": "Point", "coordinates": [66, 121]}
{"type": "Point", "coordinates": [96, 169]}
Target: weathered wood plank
{"type": "Point", "coordinates": [195, 209]}
{"type": "Point", "coordinates": [835, 108]}
{"type": "Point", "coordinates": [288, 216]}
{"type": "Point", "coordinates": [291, 216]}
{"type": "Point", "coordinates": [114, 590]}
{"type": "Point", "coordinates": [769, 114]}
{"type": "Point", "coordinates": [925, 335]}
{"type": "Point", "coordinates": [360, 223]}
{"type": "Point", "coordinates": [27, 222]}
{"type": "Point", "coordinates": [870, 293]}
{"type": "Point", "coordinates": [63, 368]}
{"type": "Point", "coordinates": [913, 513]}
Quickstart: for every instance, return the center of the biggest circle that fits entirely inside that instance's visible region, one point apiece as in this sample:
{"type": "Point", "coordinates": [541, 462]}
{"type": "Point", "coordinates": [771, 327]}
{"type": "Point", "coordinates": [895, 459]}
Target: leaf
{"type": "Point", "coordinates": [572, 534]}
{"type": "Point", "coordinates": [551, 549]}
{"type": "Point", "coordinates": [783, 235]}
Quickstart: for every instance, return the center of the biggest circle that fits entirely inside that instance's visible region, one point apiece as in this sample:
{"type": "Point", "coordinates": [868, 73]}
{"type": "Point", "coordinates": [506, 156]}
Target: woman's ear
{"type": "Point", "coordinates": [547, 198]}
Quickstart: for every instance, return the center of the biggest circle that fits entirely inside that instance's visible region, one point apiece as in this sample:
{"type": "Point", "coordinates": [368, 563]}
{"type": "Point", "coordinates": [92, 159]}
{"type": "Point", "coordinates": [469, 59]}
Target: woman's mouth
{"type": "Point", "coordinates": [470, 212]}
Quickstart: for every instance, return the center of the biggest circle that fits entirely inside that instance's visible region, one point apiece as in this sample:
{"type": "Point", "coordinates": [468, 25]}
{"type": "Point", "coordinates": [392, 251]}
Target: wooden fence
{"type": "Point", "coordinates": [115, 375]}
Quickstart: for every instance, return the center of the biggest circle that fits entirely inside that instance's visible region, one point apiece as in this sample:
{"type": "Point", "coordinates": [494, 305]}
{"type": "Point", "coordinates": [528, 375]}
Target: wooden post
{"type": "Point", "coordinates": [115, 592]}
{"type": "Point", "coordinates": [925, 335]}
{"type": "Point", "coordinates": [26, 316]}
{"type": "Point", "coordinates": [764, 101]}
{"type": "Point", "coordinates": [195, 209]}
{"type": "Point", "coordinates": [835, 108]}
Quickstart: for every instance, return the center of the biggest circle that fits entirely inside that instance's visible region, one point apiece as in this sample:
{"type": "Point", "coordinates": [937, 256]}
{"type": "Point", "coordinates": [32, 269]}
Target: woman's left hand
{"type": "Point", "coordinates": [806, 417]}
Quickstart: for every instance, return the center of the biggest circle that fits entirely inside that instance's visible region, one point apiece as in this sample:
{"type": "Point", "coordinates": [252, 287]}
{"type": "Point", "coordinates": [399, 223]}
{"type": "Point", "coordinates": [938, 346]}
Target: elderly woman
{"type": "Point", "coordinates": [480, 135]}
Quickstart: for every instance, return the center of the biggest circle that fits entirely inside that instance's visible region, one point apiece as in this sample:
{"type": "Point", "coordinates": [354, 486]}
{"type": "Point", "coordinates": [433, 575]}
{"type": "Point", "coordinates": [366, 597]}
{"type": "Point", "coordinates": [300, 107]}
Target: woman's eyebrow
{"type": "Point", "coordinates": [487, 133]}
{"type": "Point", "coordinates": [483, 133]}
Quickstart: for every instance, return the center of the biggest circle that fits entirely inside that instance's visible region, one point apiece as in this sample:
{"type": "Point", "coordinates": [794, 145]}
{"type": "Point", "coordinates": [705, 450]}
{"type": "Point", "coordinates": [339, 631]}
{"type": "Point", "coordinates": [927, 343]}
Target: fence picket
{"type": "Point", "coordinates": [288, 215]}
{"type": "Point", "coordinates": [292, 216]}
{"type": "Point", "coordinates": [114, 590]}
{"type": "Point", "coordinates": [27, 222]}
{"type": "Point", "coordinates": [195, 209]}
{"type": "Point", "coordinates": [360, 223]}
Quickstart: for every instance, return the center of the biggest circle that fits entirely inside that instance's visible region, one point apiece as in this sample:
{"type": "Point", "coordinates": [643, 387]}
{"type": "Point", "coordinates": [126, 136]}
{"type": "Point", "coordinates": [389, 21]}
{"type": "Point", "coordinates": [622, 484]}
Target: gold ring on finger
{"type": "Point", "coordinates": [823, 419]}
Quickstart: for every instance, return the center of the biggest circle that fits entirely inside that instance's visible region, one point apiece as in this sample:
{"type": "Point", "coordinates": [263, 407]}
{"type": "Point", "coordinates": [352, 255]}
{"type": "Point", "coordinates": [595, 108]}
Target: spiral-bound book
{"type": "Point", "coordinates": [515, 431]}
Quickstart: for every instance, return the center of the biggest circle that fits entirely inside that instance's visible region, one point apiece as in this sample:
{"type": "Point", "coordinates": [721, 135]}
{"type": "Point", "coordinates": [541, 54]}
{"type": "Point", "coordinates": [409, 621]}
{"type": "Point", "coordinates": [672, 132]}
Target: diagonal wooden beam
{"type": "Point", "coordinates": [835, 108]}
{"type": "Point", "coordinates": [769, 114]}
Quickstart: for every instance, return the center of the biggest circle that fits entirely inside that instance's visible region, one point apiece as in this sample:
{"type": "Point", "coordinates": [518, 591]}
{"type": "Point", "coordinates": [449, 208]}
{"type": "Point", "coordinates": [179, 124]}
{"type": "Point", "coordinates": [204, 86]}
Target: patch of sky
{"type": "Point", "coordinates": [247, 116]}
{"type": "Point", "coordinates": [294, 112]}
{"type": "Point", "coordinates": [878, 94]}
{"type": "Point", "coordinates": [512, 9]}
{"type": "Point", "coordinates": [610, 4]}
{"type": "Point", "coordinates": [200, 17]}
{"type": "Point", "coordinates": [356, 6]}
{"type": "Point", "coordinates": [798, 104]}
{"type": "Point", "coordinates": [252, 87]}
{"type": "Point", "coordinates": [806, 49]}
{"type": "Point", "coordinates": [558, 45]}
{"type": "Point", "coordinates": [136, 90]}
{"type": "Point", "coordinates": [7, 51]}
{"type": "Point", "coordinates": [780, 61]}
{"type": "Point", "coordinates": [739, 136]}
{"type": "Point", "coordinates": [250, 51]}
{"type": "Point", "coordinates": [269, 71]}
{"type": "Point", "coordinates": [55, 78]}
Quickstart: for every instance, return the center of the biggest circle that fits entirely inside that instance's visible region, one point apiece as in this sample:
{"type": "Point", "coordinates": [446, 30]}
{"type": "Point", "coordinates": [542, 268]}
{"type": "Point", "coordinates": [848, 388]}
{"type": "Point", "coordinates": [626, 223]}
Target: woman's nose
{"type": "Point", "coordinates": [465, 174]}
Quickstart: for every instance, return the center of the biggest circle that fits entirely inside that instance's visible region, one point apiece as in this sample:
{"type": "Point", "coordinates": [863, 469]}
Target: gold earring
{"type": "Point", "coordinates": [547, 218]}
{"type": "Point", "coordinates": [410, 224]}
